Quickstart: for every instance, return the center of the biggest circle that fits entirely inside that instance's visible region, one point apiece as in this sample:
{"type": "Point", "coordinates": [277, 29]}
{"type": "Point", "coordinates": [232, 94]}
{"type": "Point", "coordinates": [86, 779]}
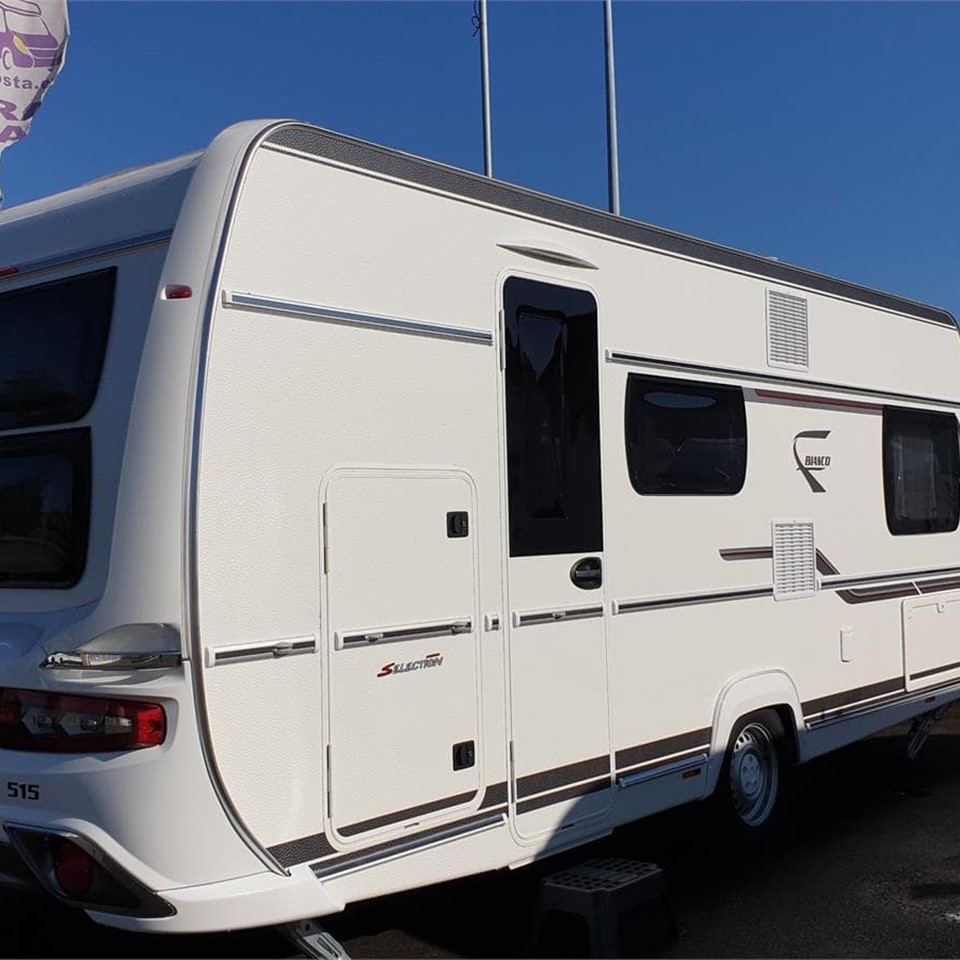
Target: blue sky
{"type": "Point", "coordinates": [825, 134]}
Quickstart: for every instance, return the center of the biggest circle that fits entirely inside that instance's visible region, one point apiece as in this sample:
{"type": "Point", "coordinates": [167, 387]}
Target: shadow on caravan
{"type": "Point", "coordinates": [366, 523]}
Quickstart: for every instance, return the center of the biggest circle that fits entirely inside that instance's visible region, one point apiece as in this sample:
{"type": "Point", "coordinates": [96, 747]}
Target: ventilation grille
{"type": "Point", "coordinates": [787, 343]}
{"type": "Point", "coordinates": [794, 559]}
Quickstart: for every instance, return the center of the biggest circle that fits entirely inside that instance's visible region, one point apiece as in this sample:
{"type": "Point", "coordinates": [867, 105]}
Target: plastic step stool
{"type": "Point", "coordinates": [601, 891]}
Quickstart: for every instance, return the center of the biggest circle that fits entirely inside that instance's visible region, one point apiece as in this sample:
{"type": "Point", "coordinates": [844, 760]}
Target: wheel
{"type": "Point", "coordinates": [753, 770]}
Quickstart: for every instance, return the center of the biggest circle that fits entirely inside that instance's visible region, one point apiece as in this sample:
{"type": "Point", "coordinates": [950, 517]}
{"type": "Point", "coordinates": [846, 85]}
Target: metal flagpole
{"type": "Point", "coordinates": [613, 159]}
{"type": "Point", "coordinates": [485, 82]}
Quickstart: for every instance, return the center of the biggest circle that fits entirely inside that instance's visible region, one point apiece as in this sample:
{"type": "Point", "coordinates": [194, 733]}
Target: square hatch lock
{"type": "Point", "coordinates": [458, 524]}
{"type": "Point", "coordinates": [464, 755]}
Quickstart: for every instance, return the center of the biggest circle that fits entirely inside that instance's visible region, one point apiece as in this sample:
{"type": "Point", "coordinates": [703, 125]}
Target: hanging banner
{"type": "Point", "coordinates": [33, 44]}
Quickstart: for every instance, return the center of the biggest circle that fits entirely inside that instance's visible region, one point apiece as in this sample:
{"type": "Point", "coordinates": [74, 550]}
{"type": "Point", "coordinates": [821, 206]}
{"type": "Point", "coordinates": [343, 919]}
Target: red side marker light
{"type": "Point", "coordinates": [8, 272]}
{"type": "Point", "coordinates": [177, 291]}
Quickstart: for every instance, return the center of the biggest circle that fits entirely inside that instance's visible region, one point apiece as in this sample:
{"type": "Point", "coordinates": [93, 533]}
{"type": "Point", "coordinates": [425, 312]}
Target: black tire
{"type": "Point", "coordinates": [753, 775]}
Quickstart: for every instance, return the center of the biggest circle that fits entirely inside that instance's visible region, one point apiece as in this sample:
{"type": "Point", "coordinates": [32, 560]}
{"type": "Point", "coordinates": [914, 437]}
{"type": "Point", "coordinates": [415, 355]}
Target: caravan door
{"type": "Point", "coordinates": [560, 740]}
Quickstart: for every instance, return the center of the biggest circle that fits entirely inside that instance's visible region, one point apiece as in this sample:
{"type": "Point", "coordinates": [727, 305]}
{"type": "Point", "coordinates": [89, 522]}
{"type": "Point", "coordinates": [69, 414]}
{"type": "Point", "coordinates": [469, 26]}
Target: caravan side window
{"type": "Point", "coordinates": [921, 471]}
{"type": "Point", "coordinates": [685, 437]}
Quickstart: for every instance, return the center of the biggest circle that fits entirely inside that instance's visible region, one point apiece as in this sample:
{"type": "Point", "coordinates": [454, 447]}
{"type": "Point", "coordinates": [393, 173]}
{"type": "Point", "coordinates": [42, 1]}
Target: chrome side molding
{"type": "Point", "coordinates": [397, 634]}
{"type": "Point", "coordinates": [259, 650]}
{"type": "Point", "coordinates": [521, 619]}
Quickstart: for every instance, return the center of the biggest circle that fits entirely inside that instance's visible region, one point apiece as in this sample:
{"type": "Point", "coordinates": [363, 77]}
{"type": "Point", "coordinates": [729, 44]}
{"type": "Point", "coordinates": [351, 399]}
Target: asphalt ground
{"type": "Point", "coordinates": [867, 864]}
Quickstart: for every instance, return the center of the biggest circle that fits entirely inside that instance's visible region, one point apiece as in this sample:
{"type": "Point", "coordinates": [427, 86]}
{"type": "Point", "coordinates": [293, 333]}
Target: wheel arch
{"type": "Point", "coordinates": [741, 696]}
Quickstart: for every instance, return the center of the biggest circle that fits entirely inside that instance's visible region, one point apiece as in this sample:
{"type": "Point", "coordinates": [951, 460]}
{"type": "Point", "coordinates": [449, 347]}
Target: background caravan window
{"type": "Point", "coordinates": [53, 337]}
{"type": "Point", "coordinates": [44, 508]}
{"type": "Point", "coordinates": [921, 471]}
{"type": "Point", "coordinates": [685, 438]}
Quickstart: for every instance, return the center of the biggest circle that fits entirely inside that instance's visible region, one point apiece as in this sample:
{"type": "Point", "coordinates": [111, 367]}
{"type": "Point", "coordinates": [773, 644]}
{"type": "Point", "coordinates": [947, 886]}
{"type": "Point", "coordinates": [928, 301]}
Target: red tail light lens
{"type": "Point", "coordinates": [57, 723]}
{"type": "Point", "coordinates": [73, 868]}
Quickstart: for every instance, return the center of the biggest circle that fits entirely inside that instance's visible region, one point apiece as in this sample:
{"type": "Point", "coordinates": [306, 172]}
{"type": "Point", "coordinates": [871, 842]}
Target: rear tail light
{"type": "Point", "coordinates": [57, 723]}
{"type": "Point", "coordinates": [73, 868]}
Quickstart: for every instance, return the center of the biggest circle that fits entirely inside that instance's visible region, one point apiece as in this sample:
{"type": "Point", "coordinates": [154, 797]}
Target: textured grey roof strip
{"type": "Point", "coordinates": [357, 153]}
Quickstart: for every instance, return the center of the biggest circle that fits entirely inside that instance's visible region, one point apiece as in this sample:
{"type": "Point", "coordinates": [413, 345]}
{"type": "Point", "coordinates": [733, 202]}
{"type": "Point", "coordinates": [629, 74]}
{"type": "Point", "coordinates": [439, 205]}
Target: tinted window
{"type": "Point", "coordinates": [553, 419]}
{"type": "Point", "coordinates": [921, 471]}
{"type": "Point", "coordinates": [52, 342]}
{"type": "Point", "coordinates": [44, 508]}
{"type": "Point", "coordinates": [685, 438]}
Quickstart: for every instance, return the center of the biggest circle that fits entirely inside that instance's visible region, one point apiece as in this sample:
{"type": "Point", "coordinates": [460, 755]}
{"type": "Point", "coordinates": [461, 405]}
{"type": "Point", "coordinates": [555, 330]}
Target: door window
{"type": "Point", "coordinates": [553, 419]}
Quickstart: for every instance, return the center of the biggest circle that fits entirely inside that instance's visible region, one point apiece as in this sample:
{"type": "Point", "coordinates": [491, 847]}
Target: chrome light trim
{"type": "Point", "coordinates": [80, 660]}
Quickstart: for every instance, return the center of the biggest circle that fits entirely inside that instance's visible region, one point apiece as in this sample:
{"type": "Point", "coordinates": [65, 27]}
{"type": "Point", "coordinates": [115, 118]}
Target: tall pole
{"type": "Point", "coordinates": [613, 159]}
{"type": "Point", "coordinates": [485, 82]}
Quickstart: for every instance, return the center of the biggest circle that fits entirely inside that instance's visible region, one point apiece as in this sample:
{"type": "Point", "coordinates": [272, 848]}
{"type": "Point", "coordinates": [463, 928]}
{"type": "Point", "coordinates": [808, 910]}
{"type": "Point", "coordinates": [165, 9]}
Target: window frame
{"type": "Point", "coordinates": [648, 383]}
{"type": "Point", "coordinates": [580, 529]}
{"type": "Point", "coordinates": [74, 445]}
{"type": "Point", "coordinates": [906, 527]}
{"type": "Point", "coordinates": [76, 406]}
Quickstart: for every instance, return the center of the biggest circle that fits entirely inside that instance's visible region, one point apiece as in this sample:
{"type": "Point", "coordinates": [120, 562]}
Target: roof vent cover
{"type": "Point", "coordinates": [787, 343]}
{"type": "Point", "coordinates": [794, 559]}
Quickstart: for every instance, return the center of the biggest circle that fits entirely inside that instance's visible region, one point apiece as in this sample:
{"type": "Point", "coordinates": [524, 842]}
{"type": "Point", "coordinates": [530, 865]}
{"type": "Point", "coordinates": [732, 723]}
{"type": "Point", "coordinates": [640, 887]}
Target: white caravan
{"type": "Point", "coordinates": [366, 523]}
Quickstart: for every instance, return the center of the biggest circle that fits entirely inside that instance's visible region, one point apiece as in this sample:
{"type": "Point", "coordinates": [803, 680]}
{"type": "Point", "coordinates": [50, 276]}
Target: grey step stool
{"type": "Point", "coordinates": [601, 891]}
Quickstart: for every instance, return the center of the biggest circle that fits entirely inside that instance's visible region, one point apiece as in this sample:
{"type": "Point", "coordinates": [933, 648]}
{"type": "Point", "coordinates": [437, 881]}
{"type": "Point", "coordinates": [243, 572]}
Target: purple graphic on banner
{"type": "Point", "coordinates": [33, 40]}
{"type": "Point", "coordinates": [25, 39]}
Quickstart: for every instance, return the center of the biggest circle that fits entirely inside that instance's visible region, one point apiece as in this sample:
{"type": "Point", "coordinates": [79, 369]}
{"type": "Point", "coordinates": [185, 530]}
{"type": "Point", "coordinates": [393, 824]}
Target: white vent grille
{"type": "Point", "coordinates": [794, 559]}
{"type": "Point", "coordinates": [787, 343]}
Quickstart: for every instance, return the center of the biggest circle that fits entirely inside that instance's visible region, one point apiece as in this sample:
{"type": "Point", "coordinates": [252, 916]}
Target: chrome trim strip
{"type": "Point", "coordinates": [402, 849]}
{"type": "Point", "coordinates": [838, 581]}
{"type": "Point", "coordinates": [531, 617]}
{"type": "Point", "coordinates": [267, 649]}
{"type": "Point", "coordinates": [549, 256]}
{"type": "Point", "coordinates": [191, 481]}
{"type": "Point", "coordinates": [89, 253]}
{"type": "Point", "coordinates": [665, 770]}
{"type": "Point", "coordinates": [397, 635]}
{"type": "Point", "coordinates": [315, 311]}
{"type": "Point", "coordinates": [634, 359]}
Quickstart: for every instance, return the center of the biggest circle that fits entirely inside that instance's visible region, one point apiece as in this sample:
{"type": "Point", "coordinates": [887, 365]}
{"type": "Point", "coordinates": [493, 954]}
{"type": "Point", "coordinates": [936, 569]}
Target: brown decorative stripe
{"type": "Point", "coordinates": [292, 852]}
{"type": "Point", "coordinates": [936, 586]}
{"type": "Point", "coordinates": [930, 673]}
{"type": "Point", "coordinates": [659, 749]}
{"type": "Point", "coordinates": [824, 566]}
{"type": "Point", "coordinates": [747, 553]}
{"type": "Point", "coordinates": [560, 776]}
{"type": "Point", "coordinates": [872, 594]}
{"type": "Point", "coordinates": [866, 589]}
{"type": "Point", "coordinates": [300, 851]}
{"type": "Point", "coordinates": [654, 765]}
{"type": "Point", "coordinates": [495, 795]}
{"type": "Point", "coordinates": [849, 698]}
{"type": "Point", "coordinates": [749, 593]}
{"type": "Point", "coordinates": [373, 852]}
{"type": "Point", "coordinates": [547, 800]}
{"type": "Point", "coordinates": [817, 401]}
{"type": "Point", "coordinates": [364, 825]}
